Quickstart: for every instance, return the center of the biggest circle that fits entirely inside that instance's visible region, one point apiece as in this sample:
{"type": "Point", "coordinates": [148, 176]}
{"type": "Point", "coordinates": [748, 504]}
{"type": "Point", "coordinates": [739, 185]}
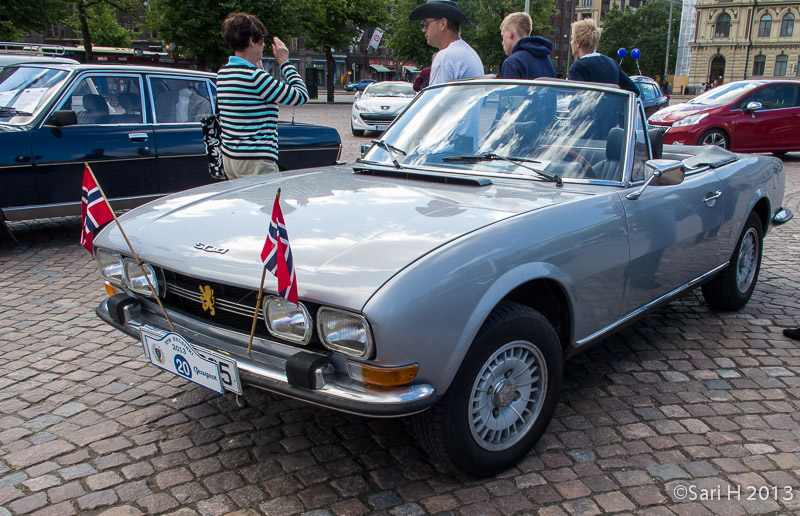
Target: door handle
{"type": "Point", "coordinates": [137, 137]}
{"type": "Point", "coordinates": [712, 196]}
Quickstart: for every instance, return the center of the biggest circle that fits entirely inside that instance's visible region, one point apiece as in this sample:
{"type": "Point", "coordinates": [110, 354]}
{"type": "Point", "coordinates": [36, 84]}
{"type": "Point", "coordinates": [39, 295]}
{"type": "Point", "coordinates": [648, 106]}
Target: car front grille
{"type": "Point", "coordinates": [233, 306]}
{"type": "Point", "coordinates": [377, 118]}
{"type": "Point", "coordinates": [662, 128]}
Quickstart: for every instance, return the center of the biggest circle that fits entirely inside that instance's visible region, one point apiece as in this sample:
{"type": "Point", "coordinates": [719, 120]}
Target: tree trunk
{"type": "Point", "coordinates": [87, 37]}
{"type": "Point", "coordinates": [331, 70]}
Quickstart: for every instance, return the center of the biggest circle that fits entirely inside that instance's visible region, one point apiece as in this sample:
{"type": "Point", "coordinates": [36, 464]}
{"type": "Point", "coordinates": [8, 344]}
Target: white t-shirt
{"type": "Point", "coordinates": [457, 61]}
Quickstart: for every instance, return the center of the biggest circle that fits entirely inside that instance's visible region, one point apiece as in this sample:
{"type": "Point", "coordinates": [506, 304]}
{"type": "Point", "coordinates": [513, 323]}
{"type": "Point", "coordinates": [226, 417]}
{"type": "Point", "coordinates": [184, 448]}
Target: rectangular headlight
{"type": "Point", "coordinates": [110, 266]}
{"type": "Point", "coordinates": [287, 320]}
{"type": "Point", "coordinates": [135, 277]}
{"type": "Point", "coordinates": [345, 332]}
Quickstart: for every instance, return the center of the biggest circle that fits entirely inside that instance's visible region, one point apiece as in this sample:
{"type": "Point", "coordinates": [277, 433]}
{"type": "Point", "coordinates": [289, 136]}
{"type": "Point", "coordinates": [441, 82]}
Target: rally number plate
{"type": "Point", "coordinates": [171, 352]}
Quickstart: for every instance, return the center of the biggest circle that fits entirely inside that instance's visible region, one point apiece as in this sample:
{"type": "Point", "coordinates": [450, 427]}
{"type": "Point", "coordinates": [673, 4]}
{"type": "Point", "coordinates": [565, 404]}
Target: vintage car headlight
{"type": "Point", "coordinates": [136, 279]}
{"type": "Point", "coordinates": [288, 321]}
{"type": "Point", "coordinates": [110, 266]}
{"type": "Point", "coordinates": [345, 332]}
{"type": "Point", "coordinates": [690, 120]}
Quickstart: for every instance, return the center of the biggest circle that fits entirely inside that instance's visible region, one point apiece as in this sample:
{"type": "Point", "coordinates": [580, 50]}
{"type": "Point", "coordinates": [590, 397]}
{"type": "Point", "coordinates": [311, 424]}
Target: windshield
{"type": "Point", "coordinates": [565, 131]}
{"type": "Point", "coordinates": [725, 94]}
{"type": "Point", "coordinates": [26, 90]}
{"type": "Point", "coordinates": [389, 89]}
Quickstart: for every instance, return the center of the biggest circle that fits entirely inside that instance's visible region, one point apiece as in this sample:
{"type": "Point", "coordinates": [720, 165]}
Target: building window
{"type": "Point", "coordinates": [765, 26]}
{"type": "Point", "coordinates": [722, 28]}
{"type": "Point", "coordinates": [569, 15]}
{"type": "Point", "coordinates": [787, 25]}
{"type": "Point", "coordinates": [780, 65]}
{"type": "Point", "coordinates": [758, 65]}
{"type": "Point", "coordinates": [797, 68]}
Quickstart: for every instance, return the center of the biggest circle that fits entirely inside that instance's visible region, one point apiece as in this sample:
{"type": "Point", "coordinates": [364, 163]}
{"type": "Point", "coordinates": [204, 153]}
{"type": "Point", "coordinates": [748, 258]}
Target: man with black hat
{"type": "Point", "coordinates": [441, 21]}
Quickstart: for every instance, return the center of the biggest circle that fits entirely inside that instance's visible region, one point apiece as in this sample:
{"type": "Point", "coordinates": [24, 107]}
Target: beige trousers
{"type": "Point", "coordinates": [236, 168]}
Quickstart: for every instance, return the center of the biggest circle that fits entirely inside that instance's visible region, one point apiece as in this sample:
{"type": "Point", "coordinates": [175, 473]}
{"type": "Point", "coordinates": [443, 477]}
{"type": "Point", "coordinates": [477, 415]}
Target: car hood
{"type": "Point", "coordinates": [384, 104]}
{"type": "Point", "coordinates": [349, 233]}
{"type": "Point", "coordinates": [671, 114]}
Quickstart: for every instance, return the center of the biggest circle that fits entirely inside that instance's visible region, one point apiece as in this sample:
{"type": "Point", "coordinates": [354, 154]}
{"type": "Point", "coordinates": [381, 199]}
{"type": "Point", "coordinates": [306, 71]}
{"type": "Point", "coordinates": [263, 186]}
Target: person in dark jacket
{"type": "Point", "coordinates": [528, 57]}
{"type": "Point", "coordinates": [589, 66]}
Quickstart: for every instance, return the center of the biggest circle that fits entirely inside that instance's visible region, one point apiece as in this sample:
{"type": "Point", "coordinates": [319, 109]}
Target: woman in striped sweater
{"type": "Point", "coordinates": [248, 98]}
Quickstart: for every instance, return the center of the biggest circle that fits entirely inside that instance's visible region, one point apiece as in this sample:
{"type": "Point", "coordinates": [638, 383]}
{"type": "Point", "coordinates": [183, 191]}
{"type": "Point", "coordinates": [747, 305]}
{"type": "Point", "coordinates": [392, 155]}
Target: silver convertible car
{"type": "Point", "coordinates": [497, 228]}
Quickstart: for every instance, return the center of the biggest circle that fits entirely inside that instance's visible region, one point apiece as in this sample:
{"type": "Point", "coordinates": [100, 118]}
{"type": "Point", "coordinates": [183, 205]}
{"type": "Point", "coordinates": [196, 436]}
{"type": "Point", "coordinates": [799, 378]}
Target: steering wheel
{"type": "Point", "coordinates": [570, 154]}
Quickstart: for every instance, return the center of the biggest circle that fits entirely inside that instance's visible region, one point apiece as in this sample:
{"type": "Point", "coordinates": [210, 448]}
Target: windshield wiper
{"type": "Point", "coordinates": [391, 150]}
{"type": "Point", "coordinates": [8, 110]}
{"type": "Point", "coordinates": [489, 156]}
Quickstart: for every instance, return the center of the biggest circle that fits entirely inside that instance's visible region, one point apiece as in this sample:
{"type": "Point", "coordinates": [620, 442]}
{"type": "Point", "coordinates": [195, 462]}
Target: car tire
{"type": "Point", "coordinates": [502, 398]}
{"type": "Point", "coordinates": [715, 137]}
{"type": "Point", "coordinates": [732, 288]}
{"type": "Point", "coordinates": [356, 132]}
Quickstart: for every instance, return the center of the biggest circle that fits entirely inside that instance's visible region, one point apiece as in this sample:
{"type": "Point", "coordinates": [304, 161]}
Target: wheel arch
{"type": "Point", "coordinates": [548, 297]}
{"type": "Point", "coordinates": [762, 209]}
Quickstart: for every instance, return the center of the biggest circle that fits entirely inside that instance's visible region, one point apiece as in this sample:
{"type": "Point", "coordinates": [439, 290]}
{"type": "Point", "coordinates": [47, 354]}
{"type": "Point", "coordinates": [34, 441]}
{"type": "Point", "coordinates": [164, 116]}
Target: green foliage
{"type": "Point", "coordinates": [405, 37]}
{"type": "Point", "coordinates": [18, 16]}
{"type": "Point", "coordinates": [103, 26]}
{"type": "Point", "coordinates": [645, 29]}
{"type": "Point", "coordinates": [195, 26]}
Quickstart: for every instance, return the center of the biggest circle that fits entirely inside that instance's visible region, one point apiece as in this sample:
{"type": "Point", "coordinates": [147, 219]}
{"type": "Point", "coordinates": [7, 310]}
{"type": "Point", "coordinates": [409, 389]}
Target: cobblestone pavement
{"type": "Point", "coordinates": [685, 403]}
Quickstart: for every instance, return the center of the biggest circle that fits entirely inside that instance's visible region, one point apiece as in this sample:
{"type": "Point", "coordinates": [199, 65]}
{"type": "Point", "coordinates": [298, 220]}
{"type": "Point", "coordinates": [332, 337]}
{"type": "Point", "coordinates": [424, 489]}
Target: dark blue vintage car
{"type": "Point", "coordinates": [138, 127]}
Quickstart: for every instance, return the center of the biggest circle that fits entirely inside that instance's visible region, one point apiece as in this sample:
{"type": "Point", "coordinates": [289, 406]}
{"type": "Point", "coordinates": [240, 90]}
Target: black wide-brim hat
{"type": "Point", "coordinates": [439, 9]}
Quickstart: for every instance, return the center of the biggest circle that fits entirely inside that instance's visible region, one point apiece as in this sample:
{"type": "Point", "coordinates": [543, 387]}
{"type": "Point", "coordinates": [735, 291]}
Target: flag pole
{"type": "Point", "coordinates": [135, 256]}
{"type": "Point", "coordinates": [260, 294]}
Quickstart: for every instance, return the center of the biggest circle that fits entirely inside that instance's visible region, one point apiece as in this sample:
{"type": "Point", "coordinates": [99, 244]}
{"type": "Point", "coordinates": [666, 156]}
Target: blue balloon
{"type": "Point", "coordinates": [636, 53]}
{"type": "Point", "coordinates": [621, 53]}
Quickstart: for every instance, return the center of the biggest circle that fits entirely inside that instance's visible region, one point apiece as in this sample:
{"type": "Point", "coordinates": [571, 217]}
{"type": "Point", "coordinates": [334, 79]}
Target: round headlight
{"type": "Point", "coordinates": [345, 332]}
{"type": "Point", "coordinates": [110, 266]}
{"type": "Point", "coordinates": [287, 320]}
{"type": "Point", "coordinates": [135, 277]}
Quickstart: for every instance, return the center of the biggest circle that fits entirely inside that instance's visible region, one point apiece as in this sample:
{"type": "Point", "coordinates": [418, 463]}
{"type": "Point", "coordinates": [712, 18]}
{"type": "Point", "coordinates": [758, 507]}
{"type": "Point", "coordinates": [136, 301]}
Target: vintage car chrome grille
{"type": "Point", "coordinates": [233, 306]}
{"type": "Point", "coordinates": [377, 118]}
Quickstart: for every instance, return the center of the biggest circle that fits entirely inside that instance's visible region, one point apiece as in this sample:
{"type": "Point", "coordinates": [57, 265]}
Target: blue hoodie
{"type": "Point", "coordinates": [529, 59]}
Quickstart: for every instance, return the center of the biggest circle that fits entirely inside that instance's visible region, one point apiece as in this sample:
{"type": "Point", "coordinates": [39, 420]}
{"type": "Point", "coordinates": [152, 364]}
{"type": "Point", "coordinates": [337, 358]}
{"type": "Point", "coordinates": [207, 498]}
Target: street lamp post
{"type": "Point", "coordinates": [527, 6]}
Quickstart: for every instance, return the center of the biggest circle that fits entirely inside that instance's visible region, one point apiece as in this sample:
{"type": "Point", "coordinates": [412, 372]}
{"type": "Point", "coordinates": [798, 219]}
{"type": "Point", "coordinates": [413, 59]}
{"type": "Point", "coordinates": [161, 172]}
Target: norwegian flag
{"type": "Point", "coordinates": [94, 210]}
{"type": "Point", "coordinates": [277, 255]}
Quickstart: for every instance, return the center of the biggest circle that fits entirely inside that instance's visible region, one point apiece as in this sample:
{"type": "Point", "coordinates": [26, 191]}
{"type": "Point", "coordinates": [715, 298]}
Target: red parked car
{"type": "Point", "coordinates": [743, 116]}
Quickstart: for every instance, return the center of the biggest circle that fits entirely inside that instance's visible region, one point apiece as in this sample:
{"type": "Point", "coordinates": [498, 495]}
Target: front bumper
{"type": "Point", "coordinates": [266, 366]}
{"type": "Point", "coordinates": [370, 121]}
{"type": "Point", "coordinates": [683, 135]}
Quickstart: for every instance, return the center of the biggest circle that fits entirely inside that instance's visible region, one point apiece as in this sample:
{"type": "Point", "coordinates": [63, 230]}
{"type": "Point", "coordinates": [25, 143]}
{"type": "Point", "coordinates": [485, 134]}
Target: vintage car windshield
{"type": "Point", "coordinates": [725, 94]}
{"type": "Point", "coordinates": [390, 89]}
{"type": "Point", "coordinates": [25, 90]}
{"type": "Point", "coordinates": [563, 130]}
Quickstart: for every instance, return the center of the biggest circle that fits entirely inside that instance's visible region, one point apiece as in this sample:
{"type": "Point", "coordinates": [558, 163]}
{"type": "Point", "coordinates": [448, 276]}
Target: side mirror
{"type": "Point", "coordinates": [660, 172]}
{"type": "Point", "coordinates": [752, 106]}
{"type": "Point", "coordinates": [358, 95]}
{"type": "Point", "coordinates": [365, 148]}
{"type": "Point", "coordinates": [62, 118]}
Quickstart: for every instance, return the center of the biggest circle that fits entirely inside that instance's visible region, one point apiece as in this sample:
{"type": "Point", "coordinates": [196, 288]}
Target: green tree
{"type": "Point", "coordinates": [18, 16]}
{"type": "Point", "coordinates": [330, 25]}
{"type": "Point", "coordinates": [645, 29]}
{"type": "Point", "coordinates": [89, 13]}
{"type": "Point", "coordinates": [195, 26]}
{"type": "Point", "coordinates": [405, 38]}
{"type": "Point", "coordinates": [103, 26]}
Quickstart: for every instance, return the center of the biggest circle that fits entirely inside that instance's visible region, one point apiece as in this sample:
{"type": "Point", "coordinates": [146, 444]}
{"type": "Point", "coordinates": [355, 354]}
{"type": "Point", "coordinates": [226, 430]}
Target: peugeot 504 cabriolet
{"type": "Point", "coordinates": [496, 229]}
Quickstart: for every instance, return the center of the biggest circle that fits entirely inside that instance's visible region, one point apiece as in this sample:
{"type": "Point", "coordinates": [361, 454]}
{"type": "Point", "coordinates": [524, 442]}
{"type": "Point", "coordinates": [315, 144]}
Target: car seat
{"type": "Point", "coordinates": [95, 110]}
{"type": "Point", "coordinates": [132, 104]}
{"type": "Point", "coordinates": [609, 168]}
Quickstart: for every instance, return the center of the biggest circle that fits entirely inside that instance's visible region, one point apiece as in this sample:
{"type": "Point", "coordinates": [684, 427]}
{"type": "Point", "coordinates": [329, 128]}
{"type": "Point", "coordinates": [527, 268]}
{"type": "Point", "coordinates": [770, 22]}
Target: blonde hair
{"type": "Point", "coordinates": [588, 33]}
{"type": "Point", "coordinates": [521, 23]}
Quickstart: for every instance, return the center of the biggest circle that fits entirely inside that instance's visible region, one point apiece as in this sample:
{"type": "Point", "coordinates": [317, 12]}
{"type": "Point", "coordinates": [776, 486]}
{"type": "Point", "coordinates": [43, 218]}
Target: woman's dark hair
{"type": "Point", "coordinates": [239, 29]}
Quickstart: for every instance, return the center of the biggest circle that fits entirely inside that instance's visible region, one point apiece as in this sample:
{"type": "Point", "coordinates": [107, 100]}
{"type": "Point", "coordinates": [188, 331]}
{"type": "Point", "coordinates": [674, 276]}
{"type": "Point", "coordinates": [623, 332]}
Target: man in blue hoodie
{"type": "Point", "coordinates": [528, 57]}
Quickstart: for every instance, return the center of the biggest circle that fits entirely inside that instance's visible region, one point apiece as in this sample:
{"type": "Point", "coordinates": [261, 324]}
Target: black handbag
{"type": "Point", "coordinates": [212, 138]}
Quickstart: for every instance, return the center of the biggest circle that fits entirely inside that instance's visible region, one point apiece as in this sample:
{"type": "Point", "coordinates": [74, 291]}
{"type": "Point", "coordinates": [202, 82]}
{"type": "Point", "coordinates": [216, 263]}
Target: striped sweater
{"type": "Point", "coordinates": [247, 99]}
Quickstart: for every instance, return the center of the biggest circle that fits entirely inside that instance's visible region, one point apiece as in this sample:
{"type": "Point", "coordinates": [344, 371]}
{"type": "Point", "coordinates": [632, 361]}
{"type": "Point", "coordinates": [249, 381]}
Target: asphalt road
{"type": "Point", "coordinates": [687, 412]}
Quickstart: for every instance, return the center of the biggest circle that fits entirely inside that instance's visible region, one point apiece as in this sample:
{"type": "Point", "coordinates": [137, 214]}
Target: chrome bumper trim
{"type": "Point", "coordinates": [338, 392]}
{"type": "Point", "coordinates": [782, 216]}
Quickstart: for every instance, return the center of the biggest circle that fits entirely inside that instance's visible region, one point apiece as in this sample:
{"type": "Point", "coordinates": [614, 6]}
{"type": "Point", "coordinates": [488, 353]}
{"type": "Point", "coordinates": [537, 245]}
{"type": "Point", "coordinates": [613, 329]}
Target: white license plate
{"type": "Point", "coordinates": [172, 353]}
{"type": "Point", "coordinates": [381, 127]}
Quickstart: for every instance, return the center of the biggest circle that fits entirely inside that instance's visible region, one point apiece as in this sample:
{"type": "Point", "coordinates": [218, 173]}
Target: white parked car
{"type": "Point", "coordinates": [379, 105]}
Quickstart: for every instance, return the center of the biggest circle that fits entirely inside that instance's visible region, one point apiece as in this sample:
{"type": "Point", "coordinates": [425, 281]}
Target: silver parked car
{"type": "Point", "coordinates": [498, 228]}
{"type": "Point", "coordinates": [379, 105]}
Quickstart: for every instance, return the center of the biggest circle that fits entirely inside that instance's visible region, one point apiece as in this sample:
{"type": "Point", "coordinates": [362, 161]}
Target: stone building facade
{"type": "Point", "coordinates": [737, 40]}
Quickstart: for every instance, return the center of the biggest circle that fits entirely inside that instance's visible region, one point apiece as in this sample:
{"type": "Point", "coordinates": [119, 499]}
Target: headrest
{"type": "Point", "coordinates": [615, 143]}
{"type": "Point", "coordinates": [92, 102]}
{"type": "Point", "coordinates": [129, 102]}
